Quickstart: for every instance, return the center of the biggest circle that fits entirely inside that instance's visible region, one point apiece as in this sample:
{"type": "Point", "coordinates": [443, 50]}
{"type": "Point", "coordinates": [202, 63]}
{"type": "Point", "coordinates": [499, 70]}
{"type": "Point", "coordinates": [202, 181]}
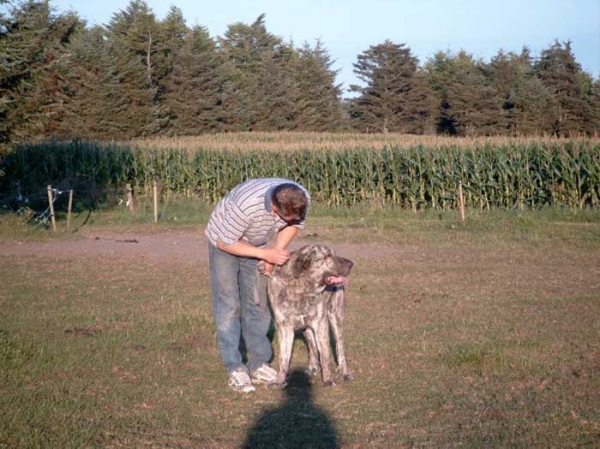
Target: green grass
{"type": "Point", "coordinates": [482, 334]}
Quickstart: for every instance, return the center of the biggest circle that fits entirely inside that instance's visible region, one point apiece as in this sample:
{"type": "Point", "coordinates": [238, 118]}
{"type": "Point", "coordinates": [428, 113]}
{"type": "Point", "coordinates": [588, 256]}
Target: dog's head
{"type": "Point", "coordinates": [318, 265]}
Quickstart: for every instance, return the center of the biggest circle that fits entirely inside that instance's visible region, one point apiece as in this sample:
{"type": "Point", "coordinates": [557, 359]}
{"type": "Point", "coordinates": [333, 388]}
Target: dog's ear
{"type": "Point", "coordinates": [302, 263]}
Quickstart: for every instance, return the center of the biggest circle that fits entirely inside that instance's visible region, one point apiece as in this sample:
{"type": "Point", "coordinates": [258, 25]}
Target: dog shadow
{"type": "Point", "coordinates": [298, 423]}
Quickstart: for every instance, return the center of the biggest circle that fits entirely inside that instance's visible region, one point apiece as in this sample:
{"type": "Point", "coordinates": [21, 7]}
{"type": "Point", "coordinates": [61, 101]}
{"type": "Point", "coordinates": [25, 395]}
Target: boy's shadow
{"type": "Point", "coordinates": [295, 424]}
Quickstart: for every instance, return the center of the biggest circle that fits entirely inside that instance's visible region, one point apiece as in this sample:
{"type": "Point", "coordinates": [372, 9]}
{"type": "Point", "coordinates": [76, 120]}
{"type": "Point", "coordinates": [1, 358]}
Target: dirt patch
{"type": "Point", "coordinates": [171, 246]}
{"type": "Point", "coordinates": [167, 246]}
{"type": "Point", "coordinates": [552, 270]}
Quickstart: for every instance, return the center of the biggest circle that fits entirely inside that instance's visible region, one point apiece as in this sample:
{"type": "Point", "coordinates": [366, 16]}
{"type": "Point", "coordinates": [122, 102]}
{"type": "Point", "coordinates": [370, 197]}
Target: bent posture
{"type": "Point", "coordinates": [240, 227]}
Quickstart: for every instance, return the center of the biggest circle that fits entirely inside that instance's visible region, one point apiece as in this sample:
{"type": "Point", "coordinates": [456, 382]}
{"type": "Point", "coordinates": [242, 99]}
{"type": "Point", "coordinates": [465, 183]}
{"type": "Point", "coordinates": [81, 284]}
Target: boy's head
{"type": "Point", "coordinates": [290, 202]}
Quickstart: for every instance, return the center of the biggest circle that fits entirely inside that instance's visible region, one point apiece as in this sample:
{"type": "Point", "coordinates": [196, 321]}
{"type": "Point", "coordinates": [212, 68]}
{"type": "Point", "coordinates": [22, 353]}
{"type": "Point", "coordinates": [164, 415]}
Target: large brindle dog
{"type": "Point", "coordinates": [308, 293]}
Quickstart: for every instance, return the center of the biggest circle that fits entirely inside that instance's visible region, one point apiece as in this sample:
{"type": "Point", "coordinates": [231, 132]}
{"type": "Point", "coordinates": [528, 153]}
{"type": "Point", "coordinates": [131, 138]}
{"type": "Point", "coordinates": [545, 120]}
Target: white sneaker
{"type": "Point", "coordinates": [263, 375]}
{"type": "Point", "coordinates": [240, 381]}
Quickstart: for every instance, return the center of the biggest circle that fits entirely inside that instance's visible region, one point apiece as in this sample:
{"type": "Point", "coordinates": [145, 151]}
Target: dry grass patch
{"type": "Point", "coordinates": [294, 141]}
{"type": "Point", "coordinates": [456, 337]}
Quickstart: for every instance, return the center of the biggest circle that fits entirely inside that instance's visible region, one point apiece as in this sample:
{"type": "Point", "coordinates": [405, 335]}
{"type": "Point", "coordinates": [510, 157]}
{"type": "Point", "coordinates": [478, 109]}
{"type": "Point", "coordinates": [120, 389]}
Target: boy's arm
{"type": "Point", "coordinates": [275, 255]}
{"type": "Point", "coordinates": [282, 241]}
{"type": "Point", "coordinates": [285, 237]}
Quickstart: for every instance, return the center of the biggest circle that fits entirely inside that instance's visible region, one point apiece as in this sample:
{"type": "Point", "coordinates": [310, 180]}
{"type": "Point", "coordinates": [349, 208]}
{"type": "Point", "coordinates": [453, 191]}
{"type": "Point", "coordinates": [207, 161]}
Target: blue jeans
{"type": "Point", "coordinates": [235, 283]}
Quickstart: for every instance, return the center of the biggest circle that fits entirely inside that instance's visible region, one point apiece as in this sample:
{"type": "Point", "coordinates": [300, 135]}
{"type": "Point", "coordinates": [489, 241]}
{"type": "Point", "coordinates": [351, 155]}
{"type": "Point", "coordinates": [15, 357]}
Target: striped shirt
{"type": "Point", "coordinates": [245, 214]}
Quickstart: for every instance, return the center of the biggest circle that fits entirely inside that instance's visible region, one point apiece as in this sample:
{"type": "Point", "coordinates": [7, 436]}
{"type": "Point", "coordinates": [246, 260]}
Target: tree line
{"type": "Point", "coordinates": [141, 76]}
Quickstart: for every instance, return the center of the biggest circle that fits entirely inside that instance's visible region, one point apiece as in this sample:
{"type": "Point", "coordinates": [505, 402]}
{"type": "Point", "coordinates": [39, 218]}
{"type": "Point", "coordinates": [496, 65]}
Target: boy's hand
{"type": "Point", "coordinates": [276, 256]}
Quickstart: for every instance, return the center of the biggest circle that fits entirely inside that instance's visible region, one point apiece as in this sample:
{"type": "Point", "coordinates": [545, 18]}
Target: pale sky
{"type": "Point", "coordinates": [348, 27]}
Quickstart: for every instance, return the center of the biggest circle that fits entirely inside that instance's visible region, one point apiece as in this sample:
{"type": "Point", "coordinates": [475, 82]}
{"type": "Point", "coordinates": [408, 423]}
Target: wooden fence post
{"type": "Point", "coordinates": [155, 194]}
{"type": "Point", "coordinates": [461, 201]}
{"type": "Point", "coordinates": [69, 209]}
{"type": "Point", "coordinates": [51, 203]}
{"type": "Point", "coordinates": [130, 198]}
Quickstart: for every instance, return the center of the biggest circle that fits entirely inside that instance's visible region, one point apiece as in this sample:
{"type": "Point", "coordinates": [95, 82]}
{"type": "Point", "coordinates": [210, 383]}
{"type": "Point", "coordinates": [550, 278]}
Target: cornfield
{"type": "Point", "coordinates": [494, 174]}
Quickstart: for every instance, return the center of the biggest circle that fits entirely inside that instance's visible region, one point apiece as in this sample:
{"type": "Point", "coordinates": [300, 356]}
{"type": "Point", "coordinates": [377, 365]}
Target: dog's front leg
{"type": "Point", "coordinates": [285, 335]}
{"type": "Point", "coordinates": [324, 348]}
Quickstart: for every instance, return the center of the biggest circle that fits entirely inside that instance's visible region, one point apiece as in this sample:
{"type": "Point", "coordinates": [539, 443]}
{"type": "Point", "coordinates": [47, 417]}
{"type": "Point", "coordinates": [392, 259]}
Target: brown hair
{"type": "Point", "coordinates": [291, 200]}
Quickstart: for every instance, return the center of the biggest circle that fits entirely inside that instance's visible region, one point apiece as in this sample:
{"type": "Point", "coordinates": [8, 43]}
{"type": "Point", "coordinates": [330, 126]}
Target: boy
{"type": "Point", "coordinates": [238, 230]}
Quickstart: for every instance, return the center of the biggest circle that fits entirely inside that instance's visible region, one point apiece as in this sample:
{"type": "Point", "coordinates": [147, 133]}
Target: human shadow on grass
{"type": "Point", "coordinates": [298, 423]}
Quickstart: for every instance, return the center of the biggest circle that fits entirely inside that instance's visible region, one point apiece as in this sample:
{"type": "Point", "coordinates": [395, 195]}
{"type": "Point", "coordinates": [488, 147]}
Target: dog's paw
{"type": "Point", "coordinates": [328, 383]}
{"type": "Point", "coordinates": [344, 374]}
{"type": "Point", "coordinates": [311, 371]}
{"type": "Point", "coordinates": [277, 385]}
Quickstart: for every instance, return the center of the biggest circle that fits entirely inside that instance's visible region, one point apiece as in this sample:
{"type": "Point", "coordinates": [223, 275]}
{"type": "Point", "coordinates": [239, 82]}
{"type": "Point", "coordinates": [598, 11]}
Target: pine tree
{"type": "Point", "coordinates": [172, 38]}
{"type": "Point", "coordinates": [468, 104]}
{"type": "Point", "coordinates": [253, 60]}
{"type": "Point", "coordinates": [504, 72]}
{"type": "Point", "coordinates": [84, 73]}
{"type": "Point", "coordinates": [32, 40]}
{"type": "Point", "coordinates": [107, 97]}
{"type": "Point", "coordinates": [393, 98]}
{"type": "Point", "coordinates": [137, 31]}
{"type": "Point", "coordinates": [591, 91]}
{"type": "Point", "coordinates": [275, 100]}
{"type": "Point", "coordinates": [438, 71]}
{"type": "Point", "coordinates": [192, 89]}
{"type": "Point", "coordinates": [317, 102]}
{"type": "Point", "coordinates": [561, 74]}
{"type": "Point", "coordinates": [528, 99]}
{"type": "Point", "coordinates": [522, 97]}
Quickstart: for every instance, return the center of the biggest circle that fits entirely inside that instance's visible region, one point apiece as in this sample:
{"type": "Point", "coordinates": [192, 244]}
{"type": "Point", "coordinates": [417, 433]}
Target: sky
{"type": "Point", "coordinates": [347, 28]}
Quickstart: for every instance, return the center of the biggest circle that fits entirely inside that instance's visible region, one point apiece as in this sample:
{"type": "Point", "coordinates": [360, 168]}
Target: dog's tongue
{"type": "Point", "coordinates": [337, 280]}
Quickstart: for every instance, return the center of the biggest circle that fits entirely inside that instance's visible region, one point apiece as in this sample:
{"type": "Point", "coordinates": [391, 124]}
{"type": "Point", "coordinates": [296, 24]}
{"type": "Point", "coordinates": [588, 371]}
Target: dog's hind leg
{"type": "Point", "coordinates": [336, 315]}
{"type": "Point", "coordinates": [313, 352]}
{"type": "Point", "coordinates": [323, 345]}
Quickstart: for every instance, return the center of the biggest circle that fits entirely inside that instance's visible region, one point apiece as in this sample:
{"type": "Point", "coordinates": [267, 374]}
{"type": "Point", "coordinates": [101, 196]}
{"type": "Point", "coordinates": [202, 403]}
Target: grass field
{"type": "Point", "coordinates": [482, 334]}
